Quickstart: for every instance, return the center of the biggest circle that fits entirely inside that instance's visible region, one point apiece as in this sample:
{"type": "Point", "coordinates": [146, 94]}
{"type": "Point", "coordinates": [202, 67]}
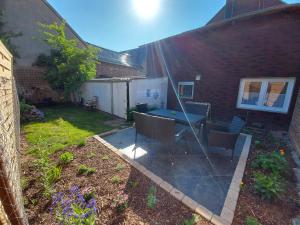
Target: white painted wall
{"type": "Point", "coordinates": [112, 96]}
{"type": "Point", "coordinates": [101, 90]}
{"type": "Point", "coordinates": [154, 92]}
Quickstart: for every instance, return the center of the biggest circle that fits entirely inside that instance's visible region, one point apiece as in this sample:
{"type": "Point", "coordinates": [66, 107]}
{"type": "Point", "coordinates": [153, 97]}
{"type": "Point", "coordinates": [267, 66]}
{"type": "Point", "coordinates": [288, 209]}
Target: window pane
{"type": "Point", "coordinates": [276, 94]}
{"type": "Point", "coordinates": [251, 93]}
{"type": "Point", "coordinates": [186, 91]}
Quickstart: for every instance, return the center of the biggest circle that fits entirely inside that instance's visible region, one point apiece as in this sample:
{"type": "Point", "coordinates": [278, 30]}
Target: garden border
{"type": "Point", "coordinates": [227, 214]}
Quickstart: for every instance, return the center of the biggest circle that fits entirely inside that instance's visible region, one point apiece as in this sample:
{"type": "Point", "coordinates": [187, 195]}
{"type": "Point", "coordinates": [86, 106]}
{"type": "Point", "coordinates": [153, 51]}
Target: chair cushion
{"type": "Point", "coordinates": [236, 125]}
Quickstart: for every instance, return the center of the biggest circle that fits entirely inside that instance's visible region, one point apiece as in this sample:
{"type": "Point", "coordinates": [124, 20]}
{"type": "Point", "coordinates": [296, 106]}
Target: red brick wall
{"type": "Point", "coordinates": [32, 86]}
{"type": "Point", "coordinates": [261, 46]}
{"type": "Point", "coordinates": [111, 70]}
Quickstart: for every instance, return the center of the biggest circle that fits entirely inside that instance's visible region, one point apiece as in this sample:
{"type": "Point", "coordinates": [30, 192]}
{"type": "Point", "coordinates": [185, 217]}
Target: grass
{"type": "Point", "coordinates": [65, 126]}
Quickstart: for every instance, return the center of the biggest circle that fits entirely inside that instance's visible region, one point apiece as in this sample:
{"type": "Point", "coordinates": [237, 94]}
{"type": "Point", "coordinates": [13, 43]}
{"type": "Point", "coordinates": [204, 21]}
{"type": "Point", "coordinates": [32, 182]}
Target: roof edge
{"type": "Point", "coordinates": [263, 12]}
{"type": "Point", "coordinates": [61, 18]}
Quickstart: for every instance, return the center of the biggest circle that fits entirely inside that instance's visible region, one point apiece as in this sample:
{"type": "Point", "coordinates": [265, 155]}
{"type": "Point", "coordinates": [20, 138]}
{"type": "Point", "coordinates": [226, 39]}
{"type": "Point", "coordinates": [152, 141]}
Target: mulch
{"type": "Point", "coordinates": [167, 211]}
{"type": "Point", "coordinates": [277, 212]}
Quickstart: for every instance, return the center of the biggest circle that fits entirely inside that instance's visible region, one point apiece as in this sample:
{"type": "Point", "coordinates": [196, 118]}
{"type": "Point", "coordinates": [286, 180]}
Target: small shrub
{"type": "Point", "coordinates": [24, 183]}
{"type": "Point", "coordinates": [192, 221]}
{"type": "Point", "coordinates": [268, 187]}
{"type": "Point", "coordinates": [104, 158]}
{"type": "Point", "coordinates": [119, 167]}
{"type": "Point", "coordinates": [250, 220]}
{"type": "Point", "coordinates": [274, 162]}
{"type": "Point", "coordinates": [151, 198]}
{"type": "Point", "coordinates": [53, 174]}
{"type": "Point", "coordinates": [81, 144]}
{"type": "Point", "coordinates": [85, 170]}
{"type": "Point", "coordinates": [73, 208]}
{"type": "Point", "coordinates": [66, 158]}
{"type": "Point", "coordinates": [116, 180]}
{"type": "Point", "coordinates": [259, 144]}
{"type": "Point", "coordinates": [133, 184]}
{"type": "Point", "coordinates": [120, 202]}
{"type": "Point", "coordinates": [130, 114]}
{"type": "Point", "coordinates": [91, 155]}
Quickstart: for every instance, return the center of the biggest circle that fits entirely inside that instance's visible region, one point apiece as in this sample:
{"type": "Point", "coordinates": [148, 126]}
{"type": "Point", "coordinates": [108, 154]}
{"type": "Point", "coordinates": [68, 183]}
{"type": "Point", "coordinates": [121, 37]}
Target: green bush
{"type": "Point", "coordinates": [250, 220]}
{"type": "Point", "coordinates": [116, 180]}
{"type": "Point", "coordinates": [130, 114]}
{"type": "Point", "coordinates": [119, 167]}
{"type": "Point", "coordinates": [105, 157]}
{"type": "Point", "coordinates": [192, 221]}
{"type": "Point", "coordinates": [151, 198]}
{"type": "Point", "coordinates": [66, 158]}
{"type": "Point", "coordinates": [25, 107]}
{"type": "Point", "coordinates": [268, 186]}
{"type": "Point", "coordinates": [53, 174]}
{"type": "Point", "coordinates": [81, 144]}
{"type": "Point", "coordinates": [273, 162]}
{"type": "Point", "coordinates": [84, 170]}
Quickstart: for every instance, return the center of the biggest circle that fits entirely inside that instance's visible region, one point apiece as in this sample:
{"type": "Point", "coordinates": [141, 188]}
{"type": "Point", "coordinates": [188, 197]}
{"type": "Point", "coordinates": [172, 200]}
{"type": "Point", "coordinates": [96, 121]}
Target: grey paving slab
{"type": "Point", "coordinates": [204, 176]}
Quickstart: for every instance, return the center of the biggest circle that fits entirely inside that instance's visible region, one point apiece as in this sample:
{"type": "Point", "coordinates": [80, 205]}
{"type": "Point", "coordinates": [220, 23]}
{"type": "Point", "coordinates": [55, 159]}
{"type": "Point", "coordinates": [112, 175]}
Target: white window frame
{"type": "Point", "coordinates": [262, 95]}
{"type": "Point", "coordinates": [186, 83]}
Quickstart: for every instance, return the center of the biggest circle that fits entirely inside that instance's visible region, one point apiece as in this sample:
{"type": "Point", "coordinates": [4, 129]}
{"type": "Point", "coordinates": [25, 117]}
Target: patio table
{"type": "Point", "coordinates": [179, 117]}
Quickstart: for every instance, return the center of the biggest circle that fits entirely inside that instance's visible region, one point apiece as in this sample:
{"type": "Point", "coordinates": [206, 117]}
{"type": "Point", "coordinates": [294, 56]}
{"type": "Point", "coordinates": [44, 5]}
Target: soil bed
{"type": "Point", "coordinates": [277, 212]}
{"type": "Point", "coordinates": [167, 211]}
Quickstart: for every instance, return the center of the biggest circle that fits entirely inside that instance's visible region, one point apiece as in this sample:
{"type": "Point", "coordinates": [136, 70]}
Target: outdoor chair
{"type": "Point", "coordinates": [225, 136]}
{"type": "Point", "coordinates": [157, 128]}
{"type": "Point", "coordinates": [92, 103]}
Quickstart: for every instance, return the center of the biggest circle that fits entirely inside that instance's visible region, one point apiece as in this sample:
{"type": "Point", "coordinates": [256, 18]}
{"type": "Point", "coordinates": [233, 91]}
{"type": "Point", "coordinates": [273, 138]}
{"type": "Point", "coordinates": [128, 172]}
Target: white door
{"type": "Point", "coordinates": [119, 98]}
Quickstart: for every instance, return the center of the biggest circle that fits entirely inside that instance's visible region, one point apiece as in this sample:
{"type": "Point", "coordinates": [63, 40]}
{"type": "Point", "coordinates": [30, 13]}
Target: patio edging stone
{"type": "Point", "coordinates": [230, 203]}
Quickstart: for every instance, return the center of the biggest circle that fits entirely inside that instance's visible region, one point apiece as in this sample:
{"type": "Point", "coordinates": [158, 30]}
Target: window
{"type": "Point", "coordinates": [273, 95]}
{"type": "Point", "coordinates": [186, 90]}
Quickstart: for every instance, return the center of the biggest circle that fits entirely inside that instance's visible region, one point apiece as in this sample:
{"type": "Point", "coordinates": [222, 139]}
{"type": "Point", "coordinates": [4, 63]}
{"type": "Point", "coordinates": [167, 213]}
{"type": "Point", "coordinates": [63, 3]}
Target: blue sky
{"type": "Point", "coordinates": [121, 24]}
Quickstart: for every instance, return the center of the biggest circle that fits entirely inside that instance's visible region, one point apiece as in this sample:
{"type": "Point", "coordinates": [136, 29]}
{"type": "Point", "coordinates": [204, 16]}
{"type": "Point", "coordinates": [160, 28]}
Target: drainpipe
{"type": "Point", "coordinates": [229, 8]}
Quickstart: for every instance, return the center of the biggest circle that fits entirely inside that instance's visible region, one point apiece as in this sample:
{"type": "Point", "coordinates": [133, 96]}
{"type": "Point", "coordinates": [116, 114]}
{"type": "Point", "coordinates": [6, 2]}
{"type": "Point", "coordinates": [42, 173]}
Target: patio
{"type": "Point", "coordinates": [204, 180]}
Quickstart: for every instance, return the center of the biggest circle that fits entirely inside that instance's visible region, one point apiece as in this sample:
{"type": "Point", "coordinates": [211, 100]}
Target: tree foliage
{"type": "Point", "coordinates": [68, 65]}
{"type": "Point", "coordinates": [6, 36]}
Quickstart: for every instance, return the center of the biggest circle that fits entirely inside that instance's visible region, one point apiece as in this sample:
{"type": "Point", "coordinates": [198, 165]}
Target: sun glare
{"type": "Point", "coordinates": [146, 9]}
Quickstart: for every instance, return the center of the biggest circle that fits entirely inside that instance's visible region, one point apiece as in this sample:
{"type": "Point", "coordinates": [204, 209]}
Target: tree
{"type": "Point", "coordinates": [6, 36]}
{"type": "Point", "coordinates": [68, 65]}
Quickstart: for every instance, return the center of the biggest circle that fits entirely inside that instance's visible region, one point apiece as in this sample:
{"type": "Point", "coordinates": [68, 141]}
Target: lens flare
{"type": "Point", "coordinates": [146, 9]}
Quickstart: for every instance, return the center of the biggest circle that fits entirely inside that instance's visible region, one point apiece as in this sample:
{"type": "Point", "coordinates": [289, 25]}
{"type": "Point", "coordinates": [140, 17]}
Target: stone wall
{"type": "Point", "coordinates": [11, 207]}
{"type": "Point", "coordinates": [294, 131]}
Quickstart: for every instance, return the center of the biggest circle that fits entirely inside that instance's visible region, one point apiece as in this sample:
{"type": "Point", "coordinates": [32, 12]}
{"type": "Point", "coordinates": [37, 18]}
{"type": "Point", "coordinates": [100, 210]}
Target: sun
{"type": "Point", "coordinates": [146, 9]}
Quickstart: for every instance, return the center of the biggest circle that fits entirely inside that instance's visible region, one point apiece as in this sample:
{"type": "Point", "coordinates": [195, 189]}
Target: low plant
{"type": "Point", "coordinates": [91, 155]}
{"type": "Point", "coordinates": [192, 221]}
{"type": "Point", "coordinates": [130, 114]}
{"type": "Point", "coordinates": [85, 170]}
{"type": "Point", "coordinates": [274, 162]}
{"type": "Point", "coordinates": [24, 183]}
{"type": "Point", "coordinates": [151, 198]}
{"type": "Point", "coordinates": [66, 157]}
{"type": "Point", "coordinates": [259, 144]}
{"type": "Point", "coordinates": [120, 202]}
{"type": "Point", "coordinates": [50, 175]}
{"type": "Point", "coordinates": [119, 167]}
{"type": "Point", "coordinates": [72, 208]}
{"type": "Point", "coordinates": [81, 144]}
{"type": "Point", "coordinates": [250, 220]}
{"type": "Point", "coordinates": [116, 180]}
{"type": "Point", "coordinates": [105, 157]}
{"type": "Point", "coordinates": [268, 186]}
{"type": "Point", "coordinates": [134, 184]}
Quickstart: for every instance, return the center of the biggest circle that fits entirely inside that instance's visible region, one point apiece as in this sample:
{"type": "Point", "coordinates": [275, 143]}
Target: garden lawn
{"type": "Point", "coordinates": [64, 126]}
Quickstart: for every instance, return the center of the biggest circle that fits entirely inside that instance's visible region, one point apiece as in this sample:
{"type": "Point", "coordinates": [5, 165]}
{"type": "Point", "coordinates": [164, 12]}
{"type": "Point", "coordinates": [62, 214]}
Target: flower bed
{"type": "Point", "coordinates": [268, 192]}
